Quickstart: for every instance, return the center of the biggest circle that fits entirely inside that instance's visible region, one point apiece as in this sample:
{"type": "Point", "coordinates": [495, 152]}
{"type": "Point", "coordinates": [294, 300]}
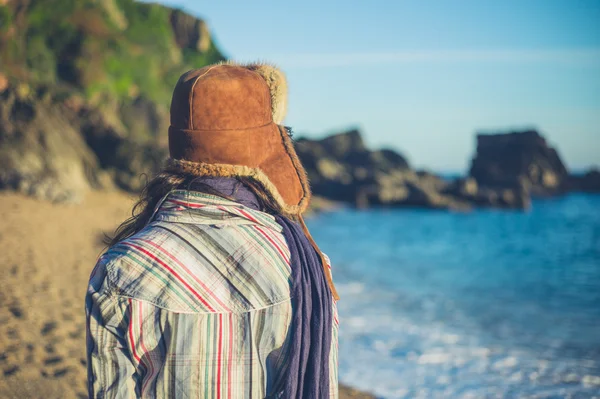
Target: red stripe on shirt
{"type": "Point", "coordinates": [274, 243]}
{"type": "Point", "coordinates": [246, 214]}
{"type": "Point", "coordinates": [173, 272]}
{"type": "Point", "coordinates": [230, 356]}
{"type": "Point", "coordinates": [194, 277]}
{"type": "Point", "coordinates": [219, 355]}
{"type": "Point", "coordinates": [188, 204]}
{"type": "Point", "coordinates": [131, 340]}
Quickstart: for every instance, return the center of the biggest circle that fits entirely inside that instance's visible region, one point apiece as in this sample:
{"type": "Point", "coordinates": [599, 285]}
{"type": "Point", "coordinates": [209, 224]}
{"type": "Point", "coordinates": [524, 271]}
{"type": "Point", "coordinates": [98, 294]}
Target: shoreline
{"type": "Point", "coordinates": [47, 252]}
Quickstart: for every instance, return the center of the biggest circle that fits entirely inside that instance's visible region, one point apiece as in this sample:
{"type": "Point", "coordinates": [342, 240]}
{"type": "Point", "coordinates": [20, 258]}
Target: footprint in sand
{"type": "Point", "coordinates": [11, 370]}
{"type": "Point", "coordinates": [16, 310]}
{"type": "Point", "coordinates": [48, 327]}
{"type": "Point", "coordinates": [61, 372]}
{"type": "Point", "coordinates": [54, 367]}
{"type": "Point", "coordinates": [49, 348]}
{"type": "Point", "coordinates": [53, 360]}
{"type": "Point", "coordinates": [77, 333]}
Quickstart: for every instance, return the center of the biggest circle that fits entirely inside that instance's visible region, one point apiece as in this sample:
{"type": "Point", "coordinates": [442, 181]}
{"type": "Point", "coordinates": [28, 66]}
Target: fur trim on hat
{"type": "Point", "coordinates": [276, 82]}
{"type": "Point", "coordinates": [225, 170]}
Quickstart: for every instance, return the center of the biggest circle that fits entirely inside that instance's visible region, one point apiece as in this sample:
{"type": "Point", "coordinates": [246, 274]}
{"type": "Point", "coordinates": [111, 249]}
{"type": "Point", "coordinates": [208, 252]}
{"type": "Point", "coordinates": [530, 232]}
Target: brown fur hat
{"type": "Point", "coordinates": [225, 122]}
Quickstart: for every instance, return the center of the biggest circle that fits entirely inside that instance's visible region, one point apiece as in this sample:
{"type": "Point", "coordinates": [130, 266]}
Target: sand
{"type": "Point", "coordinates": [46, 254]}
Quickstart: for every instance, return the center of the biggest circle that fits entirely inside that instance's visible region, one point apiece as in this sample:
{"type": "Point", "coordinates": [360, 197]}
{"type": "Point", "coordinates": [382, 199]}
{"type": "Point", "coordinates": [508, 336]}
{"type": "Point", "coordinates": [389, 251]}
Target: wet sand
{"type": "Point", "coordinates": [46, 254]}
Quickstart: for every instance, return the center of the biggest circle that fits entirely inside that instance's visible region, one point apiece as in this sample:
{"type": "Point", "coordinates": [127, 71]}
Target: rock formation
{"type": "Point", "coordinates": [89, 108]}
{"type": "Point", "coordinates": [467, 189]}
{"type": "Point", "coordinates": [518, 160]}
{"type": "Point", "coordinates": [190, 32]}
{"type": "Point", "coordinates": [341, 168]}
{"type": "Point", "coordinates": [589, 182]}
{"type": "Point", "coordinates": [41, 153]}
{"type": "Point", "coordinates": [53, 149]}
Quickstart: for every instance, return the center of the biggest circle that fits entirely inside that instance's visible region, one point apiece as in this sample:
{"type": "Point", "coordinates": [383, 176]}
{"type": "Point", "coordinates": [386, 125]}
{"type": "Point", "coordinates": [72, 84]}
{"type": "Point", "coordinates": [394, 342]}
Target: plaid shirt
{"type": "Point", "coordinates": [196, 305]}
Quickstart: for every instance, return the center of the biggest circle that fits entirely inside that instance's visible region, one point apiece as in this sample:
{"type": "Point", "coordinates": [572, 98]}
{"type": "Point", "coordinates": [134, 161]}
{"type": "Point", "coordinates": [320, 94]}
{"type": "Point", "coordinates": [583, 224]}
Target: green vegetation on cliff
{"type": "Point", "coordinates": [107, 49]}
{"type": "Point", "coordinates": [85, 87]}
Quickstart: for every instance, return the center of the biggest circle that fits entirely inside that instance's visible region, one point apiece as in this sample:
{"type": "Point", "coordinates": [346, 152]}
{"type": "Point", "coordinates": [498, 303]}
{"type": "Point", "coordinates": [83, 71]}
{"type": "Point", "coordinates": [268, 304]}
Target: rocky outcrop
{"type": "Point", "coordinates": [518, 161]}
{"type": "Point", "coordinates": [341, 168]}
{"type": "Point", "coordinates": [41, 153]}
{"type": "Point", "coordinates": [129, 160]}
{"type": "Point", "coordinates": [190, 32]}
{"type": "Point", "coordinates": [468, 190]}
{"type": "Point", "coordinates": [589, 182]}
{"type": "Point", "coordinates": [89, 108]}
{"type": "Point", "coordinates": [58, 148]}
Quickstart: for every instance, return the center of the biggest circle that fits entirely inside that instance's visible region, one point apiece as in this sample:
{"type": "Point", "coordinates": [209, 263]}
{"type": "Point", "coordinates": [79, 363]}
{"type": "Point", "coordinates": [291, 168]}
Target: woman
{"type": "Point", "coordinates": [214, 288]}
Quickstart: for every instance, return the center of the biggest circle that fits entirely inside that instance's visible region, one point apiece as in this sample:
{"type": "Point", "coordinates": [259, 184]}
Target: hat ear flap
{"type": "Point", "coordinates": [277, 87]}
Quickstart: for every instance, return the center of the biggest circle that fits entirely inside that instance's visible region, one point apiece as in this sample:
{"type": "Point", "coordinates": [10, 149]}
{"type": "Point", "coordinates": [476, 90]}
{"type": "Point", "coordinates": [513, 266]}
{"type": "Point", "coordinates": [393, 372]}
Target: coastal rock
{"type": "Point", "coordinates": [501, 198]}
{"type": "Point", "coordinates": [518, 160]}
{"type": "Point", "coordinates": [190, 32]}
{"type": "Point", "coordinates": [129, 161]}
{"type": "Point", "coordinates": [468, 190]}
{"type": "Point", "coordinates": [57, 149]}
{"type": "Point", "coordinates": [341, 168]}
{"type": "Point", "coordinates": [462, 187]}
{"type": "Point", "coordinates": [41, 153]}
{"type": "Point", "coordinates": [144, 120]}
{"type": "Point", "coordinates": [586, 183]}
{"type": "Point", "coordinates": [89, 108]}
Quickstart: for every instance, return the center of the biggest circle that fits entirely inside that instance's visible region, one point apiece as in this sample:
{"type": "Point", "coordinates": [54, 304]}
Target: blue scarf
{"type": "Point", "coordinates": [307, 372]}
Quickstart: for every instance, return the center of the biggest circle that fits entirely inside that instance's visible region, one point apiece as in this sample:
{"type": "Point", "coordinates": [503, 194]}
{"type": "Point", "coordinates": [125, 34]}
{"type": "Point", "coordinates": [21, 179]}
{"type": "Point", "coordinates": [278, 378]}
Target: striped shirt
{"type": "Point", "coordinates": [196, 305]}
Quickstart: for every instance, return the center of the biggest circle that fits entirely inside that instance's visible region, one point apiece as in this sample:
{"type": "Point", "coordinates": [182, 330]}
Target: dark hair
{"type": "Point", "coordinates": [166, 181]}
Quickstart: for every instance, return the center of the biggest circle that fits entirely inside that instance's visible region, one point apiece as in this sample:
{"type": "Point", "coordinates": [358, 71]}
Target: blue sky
{"type": "Point", "coordinates": [423, 76]}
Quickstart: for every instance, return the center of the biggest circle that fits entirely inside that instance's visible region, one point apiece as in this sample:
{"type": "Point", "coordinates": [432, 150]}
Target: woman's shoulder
{"type": "Point", "coordinates": [200, 268]}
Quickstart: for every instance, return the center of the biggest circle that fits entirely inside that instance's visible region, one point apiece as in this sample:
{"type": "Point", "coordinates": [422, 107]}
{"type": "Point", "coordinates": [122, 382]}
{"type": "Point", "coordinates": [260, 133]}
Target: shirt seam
{"type": "Point", "coordinates": [279, 302]}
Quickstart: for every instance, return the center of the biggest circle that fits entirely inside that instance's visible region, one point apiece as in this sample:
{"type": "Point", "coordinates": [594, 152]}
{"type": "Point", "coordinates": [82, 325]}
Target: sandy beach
{"type": "Point", "coordinates": [46, 254]}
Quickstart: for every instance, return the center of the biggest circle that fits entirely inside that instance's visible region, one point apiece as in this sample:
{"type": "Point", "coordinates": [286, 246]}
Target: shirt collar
{"type": "Point", "coordinates": [184, 206]}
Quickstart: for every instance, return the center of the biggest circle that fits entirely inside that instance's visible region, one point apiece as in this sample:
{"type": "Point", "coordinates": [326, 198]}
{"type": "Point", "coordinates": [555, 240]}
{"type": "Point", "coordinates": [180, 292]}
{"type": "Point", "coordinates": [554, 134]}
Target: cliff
{"type": "Point", "coordinates": [107, 49]}
{"type": "Point", "coordinates": [85, 87]}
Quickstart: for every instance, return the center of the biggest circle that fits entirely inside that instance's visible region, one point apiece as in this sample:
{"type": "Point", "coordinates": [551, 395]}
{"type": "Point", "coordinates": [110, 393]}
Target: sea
{"type": "Point", "coordinates": [482, 304]}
